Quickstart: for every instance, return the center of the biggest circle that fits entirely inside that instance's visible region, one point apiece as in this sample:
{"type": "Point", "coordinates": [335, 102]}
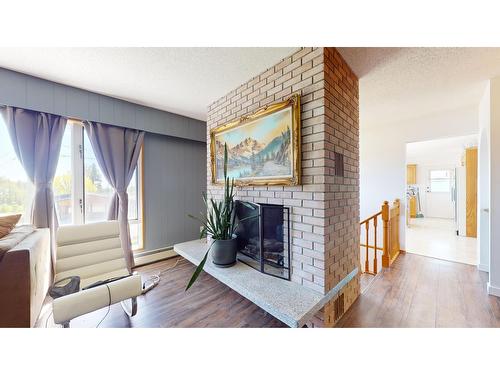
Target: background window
{"type": "Point", "coordinates": [133, 202]}
{"type": "Point", "coordinates": [98, 193]}
{"type": "Point", "coordinates": [16, 190]}
{"type": "Point", "coordinates": [63, 181]}
{"type": "Point", "coordinates": [134, 210]}
{"type": "Point", "coordinates": [82, 193]}
{"type": "Point", "coordinates": [440, 181]}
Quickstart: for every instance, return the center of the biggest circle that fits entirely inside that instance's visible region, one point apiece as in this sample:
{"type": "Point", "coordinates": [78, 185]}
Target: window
{"type": "Point", "coordinates": [82, 193]}
{"type": "Point", "coordinates": [134, 191]}
{"type": "Point", "coordinates": [440, 180]}
{"type": "Point", "coordinates": [16, 190]}
{"type": "Point", "coordinates": [63, 182]}
{"type": "Point", "coordinates": [98, 193]}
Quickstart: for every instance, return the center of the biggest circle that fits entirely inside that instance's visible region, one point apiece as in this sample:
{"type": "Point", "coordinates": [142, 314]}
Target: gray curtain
{"type": "Point", "coordinates": [117, 150]}
{"type": "Point", "coordinates": [37, 139]}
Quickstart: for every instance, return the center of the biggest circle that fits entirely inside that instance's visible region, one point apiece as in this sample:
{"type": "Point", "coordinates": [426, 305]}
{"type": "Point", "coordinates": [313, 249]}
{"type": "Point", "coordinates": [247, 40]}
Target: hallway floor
{"type": "Point", "coordinates": [437, 238]}
{"type": "Point", "coordinates": [419, 291]}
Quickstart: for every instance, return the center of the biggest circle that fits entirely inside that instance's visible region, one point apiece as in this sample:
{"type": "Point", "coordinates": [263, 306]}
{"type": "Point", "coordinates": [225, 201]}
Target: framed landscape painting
{"type": "Point", "coordinates": [263, 148]}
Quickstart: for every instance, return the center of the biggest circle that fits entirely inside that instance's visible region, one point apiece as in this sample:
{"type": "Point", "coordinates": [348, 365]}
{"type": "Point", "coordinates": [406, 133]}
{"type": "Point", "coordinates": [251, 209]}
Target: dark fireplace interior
{"type": "Point", "coordinates": [264, 237]}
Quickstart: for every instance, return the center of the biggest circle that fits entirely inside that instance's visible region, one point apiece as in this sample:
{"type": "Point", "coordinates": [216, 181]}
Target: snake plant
{"type": "Point", "coordinates": [219, 220]}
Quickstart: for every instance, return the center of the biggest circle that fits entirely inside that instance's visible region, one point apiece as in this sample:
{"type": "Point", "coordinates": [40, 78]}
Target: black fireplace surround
{"type": "Point", "coordinates": [264, 237]}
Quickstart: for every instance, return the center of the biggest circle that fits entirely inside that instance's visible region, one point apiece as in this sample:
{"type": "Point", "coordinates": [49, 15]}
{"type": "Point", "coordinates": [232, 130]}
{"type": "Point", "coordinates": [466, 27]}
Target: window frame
{"type": "Point", "coordinates": [78, 182]}
{"type": "Point", "coordinates": [448, 179]}
{"type": "Point", "coordinates": [140, 201]}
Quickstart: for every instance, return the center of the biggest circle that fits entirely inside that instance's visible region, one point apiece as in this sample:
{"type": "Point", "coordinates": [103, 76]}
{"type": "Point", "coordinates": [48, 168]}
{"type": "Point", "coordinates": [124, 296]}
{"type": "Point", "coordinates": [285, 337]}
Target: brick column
{"type": "Point", "coordinates": [325, 208]}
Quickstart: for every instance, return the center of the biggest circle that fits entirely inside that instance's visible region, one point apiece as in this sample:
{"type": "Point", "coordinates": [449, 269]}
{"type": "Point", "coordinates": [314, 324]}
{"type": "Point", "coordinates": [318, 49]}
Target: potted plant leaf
{"type": "Point", "coordinates": [219, 224]}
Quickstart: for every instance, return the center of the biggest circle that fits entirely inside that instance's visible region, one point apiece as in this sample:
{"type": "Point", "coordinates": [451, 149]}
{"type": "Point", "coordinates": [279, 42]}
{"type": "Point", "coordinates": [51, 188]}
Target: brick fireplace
{"type": "Point", "coordinates": [325, 208]}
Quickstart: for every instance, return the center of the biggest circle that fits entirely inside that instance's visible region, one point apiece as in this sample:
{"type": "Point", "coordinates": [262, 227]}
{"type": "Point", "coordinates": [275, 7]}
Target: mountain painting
{"type": "Point", "coordinates": [258, 149]}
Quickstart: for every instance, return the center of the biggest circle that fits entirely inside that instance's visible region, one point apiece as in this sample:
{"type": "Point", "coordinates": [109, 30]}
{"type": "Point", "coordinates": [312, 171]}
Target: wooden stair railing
{"type": "Point", "coordinates": [390, 216]}
{"type": "Point", "coordinates": [390, 242]}
{"type": "Point", "coordinates": [367, 246]}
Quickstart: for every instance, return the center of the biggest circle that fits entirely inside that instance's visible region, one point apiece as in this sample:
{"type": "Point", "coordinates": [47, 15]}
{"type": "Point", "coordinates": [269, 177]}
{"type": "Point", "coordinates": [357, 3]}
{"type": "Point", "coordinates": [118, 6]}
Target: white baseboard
{"type": "Point", "coordinates": [483, 267]}
{"type": "Point", "coordinates": [493, 290]}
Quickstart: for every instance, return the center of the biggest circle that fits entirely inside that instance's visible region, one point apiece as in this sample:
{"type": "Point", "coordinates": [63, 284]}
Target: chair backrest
{"type": "Point", "coordinates": [91, 251]}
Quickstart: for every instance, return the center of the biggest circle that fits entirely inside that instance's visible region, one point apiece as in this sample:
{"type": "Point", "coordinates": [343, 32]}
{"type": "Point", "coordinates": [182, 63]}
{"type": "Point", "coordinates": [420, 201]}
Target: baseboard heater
{"type": "Point", "coordinates": [151, 256]}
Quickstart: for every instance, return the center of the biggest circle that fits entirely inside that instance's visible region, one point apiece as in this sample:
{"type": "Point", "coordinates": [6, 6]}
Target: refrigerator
{"type": "Point", "coordinates": [458, 196]}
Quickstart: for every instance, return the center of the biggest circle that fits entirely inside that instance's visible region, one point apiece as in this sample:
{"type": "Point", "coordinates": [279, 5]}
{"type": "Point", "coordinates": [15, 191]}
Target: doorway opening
{"type": "Point", "coordinates": [441, 198]}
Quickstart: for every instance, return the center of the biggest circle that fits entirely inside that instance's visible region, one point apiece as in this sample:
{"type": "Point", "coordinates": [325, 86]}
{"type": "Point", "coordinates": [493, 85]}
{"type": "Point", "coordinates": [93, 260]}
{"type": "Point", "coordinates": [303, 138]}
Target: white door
{"type": "Point", "coordinates": [438, 196]}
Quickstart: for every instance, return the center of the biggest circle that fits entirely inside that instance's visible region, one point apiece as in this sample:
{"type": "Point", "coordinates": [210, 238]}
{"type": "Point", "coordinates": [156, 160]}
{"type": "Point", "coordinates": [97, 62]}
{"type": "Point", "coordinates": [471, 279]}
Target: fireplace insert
{"type": "Point", "coordinates": [264, 237]}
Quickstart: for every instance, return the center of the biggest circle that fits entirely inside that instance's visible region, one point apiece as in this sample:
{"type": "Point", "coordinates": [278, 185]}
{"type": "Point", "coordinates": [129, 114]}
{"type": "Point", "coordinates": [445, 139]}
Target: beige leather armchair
{"type": "Point", "coordinates": [94, 253]}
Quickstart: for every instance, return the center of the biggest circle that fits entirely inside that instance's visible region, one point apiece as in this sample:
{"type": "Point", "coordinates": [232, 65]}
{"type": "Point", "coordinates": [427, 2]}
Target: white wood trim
{"type": "Point", "coordinates": [77, 192]}
{"type": "Point", "coordinates": [493, 290]}
{"type": "Point", "coordinates": [483, 267]}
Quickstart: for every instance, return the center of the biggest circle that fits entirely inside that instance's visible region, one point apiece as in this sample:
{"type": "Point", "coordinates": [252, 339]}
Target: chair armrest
{"type": "Point", "coordinates": [76, 304]}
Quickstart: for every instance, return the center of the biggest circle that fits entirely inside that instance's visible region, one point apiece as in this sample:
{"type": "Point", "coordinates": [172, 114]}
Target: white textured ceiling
{"type": "Point", "coordinates": [179, 80]}
{"type": "Point", "coordinates": [440, 151]}
{"type": "Point", "coordinates": [404, 83]}
{"type": "Point", "coordinates": [395, 83]}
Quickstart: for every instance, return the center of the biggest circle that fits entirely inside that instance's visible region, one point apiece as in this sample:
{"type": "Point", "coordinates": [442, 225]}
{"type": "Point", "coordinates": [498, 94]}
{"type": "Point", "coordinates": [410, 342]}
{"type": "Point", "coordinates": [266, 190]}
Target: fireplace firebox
{"type": "Point", "coordinates": [264, 237]}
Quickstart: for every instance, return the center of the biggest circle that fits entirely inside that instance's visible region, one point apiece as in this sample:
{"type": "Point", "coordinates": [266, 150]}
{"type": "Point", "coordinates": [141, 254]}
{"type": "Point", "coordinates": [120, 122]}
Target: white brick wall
{"type": "Point", "coordinates": [325, 208]}
{"type": "Point", "coordinates": [299, 73]}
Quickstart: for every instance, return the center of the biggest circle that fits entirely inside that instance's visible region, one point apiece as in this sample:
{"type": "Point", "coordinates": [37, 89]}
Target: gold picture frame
{"type": "Point", "coordinates": [289, 112]}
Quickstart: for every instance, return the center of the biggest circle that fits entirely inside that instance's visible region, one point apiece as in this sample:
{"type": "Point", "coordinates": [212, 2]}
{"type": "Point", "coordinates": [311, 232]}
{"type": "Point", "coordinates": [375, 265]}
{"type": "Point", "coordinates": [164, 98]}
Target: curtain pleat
{"type": "Point", "coordinates": [37, 139]}
{"type": "Point", "coordinates": [117, 151]}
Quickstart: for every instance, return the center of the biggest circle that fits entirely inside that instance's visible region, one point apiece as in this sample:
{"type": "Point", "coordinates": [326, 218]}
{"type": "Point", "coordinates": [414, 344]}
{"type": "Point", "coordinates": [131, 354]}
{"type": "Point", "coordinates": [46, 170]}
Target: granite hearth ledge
{"type": "Point", "coordinates": [287, 301]}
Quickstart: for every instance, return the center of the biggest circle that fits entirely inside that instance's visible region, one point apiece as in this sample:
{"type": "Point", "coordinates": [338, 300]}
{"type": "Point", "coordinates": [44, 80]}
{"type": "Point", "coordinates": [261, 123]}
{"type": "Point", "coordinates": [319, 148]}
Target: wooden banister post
{"type": "Point", "coordinates": [386, 258]}
{"type": "Point", "coordinates": [375, 266]}
{"type": "Point", "coordinates": [396, 222]}
{"type": "Point", "coordinates": [367, 229]}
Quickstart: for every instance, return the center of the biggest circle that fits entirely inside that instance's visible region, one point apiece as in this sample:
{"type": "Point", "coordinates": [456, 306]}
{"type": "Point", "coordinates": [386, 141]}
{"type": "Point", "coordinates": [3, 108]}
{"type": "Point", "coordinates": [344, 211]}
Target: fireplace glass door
{"type": "Point", "coordinates": [264, 237]}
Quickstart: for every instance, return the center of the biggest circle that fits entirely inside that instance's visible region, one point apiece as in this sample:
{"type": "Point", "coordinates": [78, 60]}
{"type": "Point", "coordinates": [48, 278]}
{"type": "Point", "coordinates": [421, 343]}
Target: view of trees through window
{"type": "Point", "coordinates": [16, 190]}
{"type": "Point", "coordinates": [98, 193]}
{"type": "Point", "coordinates": [63, 181]}
{"type": "Point", "coordinates": [13, 195]}
{"type": "Point", "coordinates": [81, 192]}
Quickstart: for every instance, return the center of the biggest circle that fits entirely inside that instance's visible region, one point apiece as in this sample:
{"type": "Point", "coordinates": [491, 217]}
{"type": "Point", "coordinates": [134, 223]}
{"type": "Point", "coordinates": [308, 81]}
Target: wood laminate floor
{"type": "Point", "coordinates": [208, 303]}
{"type": "Point", "coordinates": [419, 291]}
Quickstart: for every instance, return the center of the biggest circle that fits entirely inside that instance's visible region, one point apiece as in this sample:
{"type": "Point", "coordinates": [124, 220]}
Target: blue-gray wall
{"type": "Point", "coordinates": [174, 149]}
{"type": "Point", "coordinates": [174, 177]}
{"type": "Point", "coordinates": [24, 91]}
